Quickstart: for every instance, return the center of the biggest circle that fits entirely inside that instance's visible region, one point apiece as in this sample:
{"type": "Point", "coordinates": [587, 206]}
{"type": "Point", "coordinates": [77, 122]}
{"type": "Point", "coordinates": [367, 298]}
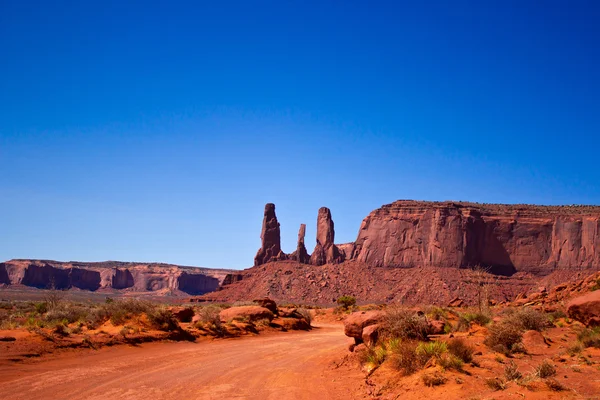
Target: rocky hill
{"type": "Point", "coordinates": [416, 251]}
{"type": "Point", "coordinates": [127, 276]}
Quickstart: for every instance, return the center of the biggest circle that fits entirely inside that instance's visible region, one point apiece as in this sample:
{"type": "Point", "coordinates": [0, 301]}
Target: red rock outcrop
{"type": "Point", "coordinates": [301, 255]}
{"type": "Point", "coordinates": [250, 313]}
{"type": "Point", "coordinates": [506, 238]}
{"type": "Point", "coordinates": [137, 277]}
{"type": "Point", "coordinates": [326, 252]}
{"type": "Point", "coordinates": [586, 308]}
{"type": "Point", "coordinates": [270, 236]}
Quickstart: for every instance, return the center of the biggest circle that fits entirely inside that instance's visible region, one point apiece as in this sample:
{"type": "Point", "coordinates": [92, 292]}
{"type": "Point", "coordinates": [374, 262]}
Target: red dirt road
{"type": "Point", "coordinates": [294, 365]}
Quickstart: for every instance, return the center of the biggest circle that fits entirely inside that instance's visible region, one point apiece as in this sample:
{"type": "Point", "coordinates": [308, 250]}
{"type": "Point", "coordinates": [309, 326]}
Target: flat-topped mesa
{"type": "Point", "coordinates": [507, 238]}
{"type": "Point", "coordinates": [301, 255]}
{"type": "Point", "coordinates": [326, 252]}
{"type": "Point", "coordinates": [270, 236]}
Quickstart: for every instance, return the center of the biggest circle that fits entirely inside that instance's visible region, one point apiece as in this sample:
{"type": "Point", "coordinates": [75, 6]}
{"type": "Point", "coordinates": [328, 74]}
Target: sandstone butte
{"type": "Point", "coordinates": [405, 250]}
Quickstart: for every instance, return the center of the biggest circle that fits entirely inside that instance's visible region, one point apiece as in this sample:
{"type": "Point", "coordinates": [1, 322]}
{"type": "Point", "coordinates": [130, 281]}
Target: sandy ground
{"type": "Point", "coordinates": [293, 365]}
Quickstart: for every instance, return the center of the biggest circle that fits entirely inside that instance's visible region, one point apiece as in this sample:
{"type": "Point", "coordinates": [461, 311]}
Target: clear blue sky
{"type": "Point", "coordinates": [150, 131]}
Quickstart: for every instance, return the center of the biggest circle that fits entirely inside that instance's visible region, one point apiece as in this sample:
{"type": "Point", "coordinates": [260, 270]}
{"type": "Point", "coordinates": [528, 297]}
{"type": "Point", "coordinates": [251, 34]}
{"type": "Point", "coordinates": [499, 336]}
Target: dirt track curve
{"type": "Point", "coordinates": [293, 365]}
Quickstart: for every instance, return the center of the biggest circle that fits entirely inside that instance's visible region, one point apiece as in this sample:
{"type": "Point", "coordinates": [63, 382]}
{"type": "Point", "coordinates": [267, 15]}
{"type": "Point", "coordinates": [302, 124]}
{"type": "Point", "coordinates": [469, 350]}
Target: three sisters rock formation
{"type": "Point", "coordinates": [325, 252]}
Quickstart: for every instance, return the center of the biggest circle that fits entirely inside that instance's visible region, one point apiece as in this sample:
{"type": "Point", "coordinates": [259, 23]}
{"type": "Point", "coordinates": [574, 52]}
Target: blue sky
{"type": "Point", "coordinates": [151, 131]}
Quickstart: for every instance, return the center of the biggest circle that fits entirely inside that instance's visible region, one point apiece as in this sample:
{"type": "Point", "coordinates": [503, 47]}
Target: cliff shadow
{"type": "Point", "coordinates": [46, 277]}
{"type": "Point", "coordinates": [495, 257]}
{"type": "Point", "coordinates": [197, 284]}
{"type": "Point", "coordinates": [85, 279]}
{"type": "Point", "coordinates": [122, 279]}
{"type": "Point", "coordinates": [4, 279]}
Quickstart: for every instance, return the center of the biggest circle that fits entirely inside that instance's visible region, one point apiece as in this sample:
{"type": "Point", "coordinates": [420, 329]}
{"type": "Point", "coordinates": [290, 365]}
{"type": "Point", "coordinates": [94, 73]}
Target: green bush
{"type": "Point", "coordinates": [428, 350]}
{"type": "Point", "coordinates": [346, 301]}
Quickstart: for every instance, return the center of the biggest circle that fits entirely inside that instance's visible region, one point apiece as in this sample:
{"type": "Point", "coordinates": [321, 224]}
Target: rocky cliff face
{"type": "Point", "coordinates": [136, 277]}
{"type": "Point", "coordinates": [506, 238]}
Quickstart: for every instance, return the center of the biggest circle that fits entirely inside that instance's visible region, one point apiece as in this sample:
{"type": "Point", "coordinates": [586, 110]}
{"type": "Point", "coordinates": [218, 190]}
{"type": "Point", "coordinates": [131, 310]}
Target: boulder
{"type": "Point", "coordinates": [268, 304]}
{"type": "Point", "coordinates": [436, 327]}
{"type": "Point", "coordinates": [586, 308]}
{"type": "Point", "coordinates": [247, 313]}
{"type": "Point", "coordinates": [294, 324]}
{"type": "Point", "coordinates": [534, 342]}
{"type": "Point", "coordinates": [270, 236]}
{"type": "Point", "coordinates": [370, 334]}
{"type": "Point", "coordinates": [356, 322]}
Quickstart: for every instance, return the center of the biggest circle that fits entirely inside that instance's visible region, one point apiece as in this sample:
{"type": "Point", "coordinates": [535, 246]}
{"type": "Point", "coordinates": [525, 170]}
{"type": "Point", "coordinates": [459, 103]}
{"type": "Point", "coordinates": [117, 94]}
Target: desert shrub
{"type": "Point", "coordinates": [465, 319]}
{"type": "Point", "coordinates": [209, 315]}
{"type": "Point", "coordinates": [41, 308]}
{"type": "Point", "coordinates": [346, 301]}
{"type": "Point", "coordinates": [528, 319]}
{"type": "Point", "coordinates": [504, 337]}
{"type": "Point", "coordinates": [556, 315]}
{"type": "Point", "coordinates": [306, 315]}
{"type": "Point", "coordinates": [119, 311]}
{"type": "Point", "coordinates": [426, 351]}
{"type": "Point", "coordinates": [589, 337]}
{"type": "Point", "coordinates": [545, 370]}
{"type": "Point", "coordinates": [436, 313]}
{"type": "Point", "coordinates": [372, 357]}
{"type": "Point", "coordinates": [450, 361]}
{"type": "Point", "coordinates": [66, 312]}
{"type": "Point", "coordinates": [53, 297]}
{"type": "Point", "coordinates": [511, 372]}
{"type": "Point", "coordinates": [554, 385]}
{"type": "Point", "coordinates": [61, 329]}
{"type": "Point", "coordinates": [495, 383]}
{"type": "Point", "coordinates": [405, 324]}
{"type": "Point", "coordinates": [575, 348]}
{"type": "Point", "coordinates": [404, 357]}
{"type": "Point", "coordinates": [209, 318]}
{"type": "Point", "coordinates": [461, 349]}
{"type": "Point", "coordinates": [96, 317]}
{"type": "Point", "coordinates": [163, 319]}
{"type": "Point", "coordinates": [434, 379]}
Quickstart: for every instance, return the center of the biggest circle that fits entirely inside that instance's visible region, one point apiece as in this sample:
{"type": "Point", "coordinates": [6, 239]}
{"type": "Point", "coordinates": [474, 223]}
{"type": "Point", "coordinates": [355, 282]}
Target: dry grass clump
{"type": "Point", "coordinates": [555, 385]}
{"type": "Point", "coordinates": [589, 337]}
{"type": "Point", "coordinates": [511, 372]}
{"type": "Point", "coordinates": [495, 383]}
{"type": "Point", "coordinates": [405, 324]}
{"type": "Point", "coordinates": [209, 318]}
{"type": "Point", "coordinates": [404, 357]}
{"type": "Point", "coordinates": [465, 319]}
{"type": "Point", "coordinates": [528, 319]}
{"type": "Point", "coordinates": [504, 338]}
{"type": "Point", "coordinates": [120, 311]}
{"type": "Point", "coordinates": [434, 379]}
{"type": "Point", "coordinates": [545, 370]}
{"type": "Point", "coordinates": [450, 361]}
{"type": "Point", "coordinates": [459, 348]}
